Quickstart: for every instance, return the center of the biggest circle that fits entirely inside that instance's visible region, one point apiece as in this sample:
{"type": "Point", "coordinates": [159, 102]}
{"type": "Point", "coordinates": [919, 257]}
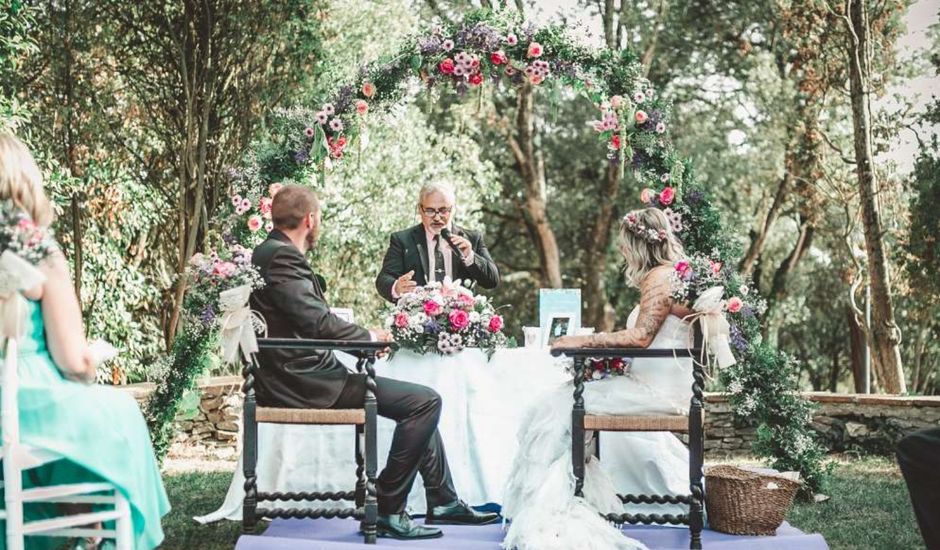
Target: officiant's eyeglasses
{"type": "Point", "coordinates": [431, 212]}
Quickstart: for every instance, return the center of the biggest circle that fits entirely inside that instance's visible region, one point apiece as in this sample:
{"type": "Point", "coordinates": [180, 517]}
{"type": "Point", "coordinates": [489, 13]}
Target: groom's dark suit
{"type": "Point", "coordinates": [293, 305]}
{"type": "Point", "coordinates": [408, 251]}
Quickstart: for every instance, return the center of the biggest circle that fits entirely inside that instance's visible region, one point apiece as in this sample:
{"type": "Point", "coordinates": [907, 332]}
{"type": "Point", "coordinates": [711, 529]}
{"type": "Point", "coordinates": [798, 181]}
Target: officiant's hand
{"type": "Point", "coordinates": [465, 246]}
{"type": "Point", "coordinates": [405, 284]}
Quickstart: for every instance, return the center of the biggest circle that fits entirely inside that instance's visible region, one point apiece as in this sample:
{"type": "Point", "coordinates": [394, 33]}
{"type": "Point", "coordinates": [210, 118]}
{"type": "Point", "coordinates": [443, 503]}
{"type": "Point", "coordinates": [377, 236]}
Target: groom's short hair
{"type": "Point", "coordinates": [291, 204]}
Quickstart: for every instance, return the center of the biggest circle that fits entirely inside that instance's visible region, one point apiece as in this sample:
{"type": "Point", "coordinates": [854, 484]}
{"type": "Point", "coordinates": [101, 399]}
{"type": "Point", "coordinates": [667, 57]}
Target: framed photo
{"type": "Point", "coordinates": [559, 324]}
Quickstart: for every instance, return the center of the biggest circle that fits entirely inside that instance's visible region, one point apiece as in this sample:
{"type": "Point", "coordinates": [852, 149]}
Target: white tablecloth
{"type": "Point", "coordinates": [483, 406]}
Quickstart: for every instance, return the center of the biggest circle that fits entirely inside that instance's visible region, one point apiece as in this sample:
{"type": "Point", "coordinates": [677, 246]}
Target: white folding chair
{"type": "Point", "coordinates": [18, 458]}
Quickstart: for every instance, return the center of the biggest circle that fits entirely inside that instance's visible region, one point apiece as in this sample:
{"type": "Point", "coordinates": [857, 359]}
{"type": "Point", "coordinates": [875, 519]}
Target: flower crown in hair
{"type": "Point", "coordinates": [648, 234]}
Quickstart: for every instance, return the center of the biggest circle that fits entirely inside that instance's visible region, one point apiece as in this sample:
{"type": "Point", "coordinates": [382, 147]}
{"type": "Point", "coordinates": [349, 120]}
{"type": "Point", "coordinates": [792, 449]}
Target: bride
{"type": "Point", "coordinates": [539, 498]}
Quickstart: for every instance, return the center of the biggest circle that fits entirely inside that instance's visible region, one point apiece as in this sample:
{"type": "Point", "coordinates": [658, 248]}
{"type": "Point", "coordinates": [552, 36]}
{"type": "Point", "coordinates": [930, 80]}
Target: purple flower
{"type": "Point", "coordinates": [737, 338]}
{"type": "Point", "coordinates": [432, 327]}
{"type": "Point", "coordinates": [694, 197]}
{"type": "Point", "coordinates": [301, 156]}
{"type": "Point", "coordinates": [207, 316]}
{"type": "Point", "coordinates": [640, 158]}
{"type": "Point", "coordinates": [430, 46]}
{"type": "Point", "coordinates": [228, 238]}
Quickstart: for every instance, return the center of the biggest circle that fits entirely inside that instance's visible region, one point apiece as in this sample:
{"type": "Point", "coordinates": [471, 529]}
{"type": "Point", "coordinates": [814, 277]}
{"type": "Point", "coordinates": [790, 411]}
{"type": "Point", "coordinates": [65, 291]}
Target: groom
{"type": "Point", "coordinates": [293, 305]}
{"type": "Point", "coordinates": [435, 249]}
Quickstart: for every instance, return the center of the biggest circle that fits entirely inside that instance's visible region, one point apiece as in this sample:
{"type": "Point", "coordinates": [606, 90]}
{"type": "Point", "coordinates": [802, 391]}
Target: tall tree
{"type": "Point", "coordinates": [884, 333]}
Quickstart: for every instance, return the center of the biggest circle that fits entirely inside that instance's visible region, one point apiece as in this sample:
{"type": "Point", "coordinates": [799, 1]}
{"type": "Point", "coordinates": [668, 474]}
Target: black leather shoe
{"type": "Point", "coordinates": [400, 526]}
{"type": "Point", "coordinates": [458, 513]}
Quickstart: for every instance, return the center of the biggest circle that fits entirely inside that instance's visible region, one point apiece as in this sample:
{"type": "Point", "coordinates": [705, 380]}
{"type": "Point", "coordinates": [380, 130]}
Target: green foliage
{"type": "Point", "coordinates": [191, 358]}
{"type": "Point", "coordinates": [923, 262]}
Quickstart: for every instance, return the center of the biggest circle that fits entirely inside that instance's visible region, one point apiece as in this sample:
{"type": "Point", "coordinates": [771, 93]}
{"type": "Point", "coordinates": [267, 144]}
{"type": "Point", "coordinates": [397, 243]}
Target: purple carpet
{"type": "Point", "coordinates": [341, 534]}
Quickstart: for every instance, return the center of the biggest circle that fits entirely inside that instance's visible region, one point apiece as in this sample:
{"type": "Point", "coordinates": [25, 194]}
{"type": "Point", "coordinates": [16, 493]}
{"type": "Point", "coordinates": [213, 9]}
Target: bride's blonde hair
{"type": "Point", "coordinates": [21, 180]}
{"type": "Point", "coordinates": [646, 242]}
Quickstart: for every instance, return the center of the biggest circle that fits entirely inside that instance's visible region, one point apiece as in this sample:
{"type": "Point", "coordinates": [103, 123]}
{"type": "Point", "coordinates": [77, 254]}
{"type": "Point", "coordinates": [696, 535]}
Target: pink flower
{"type": "Point", "coordinates": [646, 195]}
{"type": "Point", "coordinates": [362, 107]}
{"type": "Point", "coordinates": [236, 200]}
{"type": "Point", "coordinates": [336, 125]}
{"type": "Point", "coordinates": [269, 226]}
{"type": "Point", "coordinates": [616, 102]}
{"type": "Point", "coordinates": [475, 79]}
{"type": "Point", "coordinates": [265, 205]}
{"type": "Point", "coordinates": [273, 189]}
{"type": "Point", "coordinates": [667, 195]}
{"type": "Point", "coordinates": [641, 117]}
{"type": "Point", "coordinates": [459, 319]}
{"type": "Point", "coordinates": [498, 57]}
{"type": "Point", "coordinates": [511, 39]}
{"type": "Point", "coordinates": [599, 126]}
{"type": "Point", "coordinates": [660, 127]}
{"type": "Point", "coordinates": [639, 97]}
{"type": "Point", "coordinates": [716, 267]}
{"type": "Point", "coordinates": [465, 300]}
{"type": "Point", "coordinates": [246, 204]}
{"type": "Point", "coordinates": [224, 269]}
{"type": "Point", "coordinates": [536, 79]}
{"type": "Point", "coordinates": [496, 323]}
{"type": "Point", "coordinates": [401, 319]}
{"type": "Point", "coordinates": [254, 223]}
{"type": "Point", "coordinates": [510, 70]}
{"type": "Point", "coordinates": [368, 89]}
{"type": "Point", "coordinates": [446, 66]}
{"type": "Point", "coordinates": [735, 304]}
{"type": "Point", "coordinates": [308, 131]}
{"type": "Point", "coordinates": [447, 45]}
{"type": "Point", "coordinates": [432, 308]}
{"type": "Point", "coordinates": [683, 267]}
{"type": "Point", "coordinates": [328, 109]}
{"type": "Point", "coordinates": [322, 117]}
{"type": "Point", "coordinates": [535, 49]}
{"type": "Point", "coordinates": [615, 142]}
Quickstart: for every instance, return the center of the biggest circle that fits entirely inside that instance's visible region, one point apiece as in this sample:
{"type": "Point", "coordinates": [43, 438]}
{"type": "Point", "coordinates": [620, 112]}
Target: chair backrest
{"type": "Point", "coordinates": [9, 407]}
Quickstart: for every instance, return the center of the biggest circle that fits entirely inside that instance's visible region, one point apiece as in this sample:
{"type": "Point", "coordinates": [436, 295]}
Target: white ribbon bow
{"type": "Point", "coordinates": [709, 309]}
{"type": "Point", "coordinates": [237, 329]}
{"type": "Point", "coordinates": [16, 275]}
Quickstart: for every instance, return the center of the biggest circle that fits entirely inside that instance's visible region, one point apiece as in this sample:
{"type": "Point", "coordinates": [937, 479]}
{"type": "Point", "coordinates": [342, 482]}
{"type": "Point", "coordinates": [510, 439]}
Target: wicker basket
{"type": "Point", "coordinates": [745, 502]}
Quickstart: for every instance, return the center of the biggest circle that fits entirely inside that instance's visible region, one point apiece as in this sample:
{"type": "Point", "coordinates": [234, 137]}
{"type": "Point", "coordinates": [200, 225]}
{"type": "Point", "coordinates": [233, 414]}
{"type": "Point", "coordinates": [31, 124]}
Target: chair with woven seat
{"type": "Point", "coordinates": [18, 457]}
{"type": "Point", "coordinates": [364, 420]}
{"type": "Point", "coordinates": [693, 425]}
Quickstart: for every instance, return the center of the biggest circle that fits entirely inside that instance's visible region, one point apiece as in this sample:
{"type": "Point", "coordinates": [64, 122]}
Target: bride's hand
{"type": "Point", "coordinates": [568, 342]}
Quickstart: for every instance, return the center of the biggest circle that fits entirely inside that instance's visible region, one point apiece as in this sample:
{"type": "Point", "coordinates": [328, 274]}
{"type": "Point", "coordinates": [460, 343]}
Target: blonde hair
{"type": "Point", "coordinates": [21, 180]}
{"type": "Point", "coordinates": [640, 252]}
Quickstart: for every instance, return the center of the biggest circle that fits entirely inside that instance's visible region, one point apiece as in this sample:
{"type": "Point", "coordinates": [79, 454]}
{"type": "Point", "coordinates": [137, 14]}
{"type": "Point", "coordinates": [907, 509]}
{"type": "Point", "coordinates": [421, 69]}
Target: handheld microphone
{"type": "Point", "coordinates": [448, 236]}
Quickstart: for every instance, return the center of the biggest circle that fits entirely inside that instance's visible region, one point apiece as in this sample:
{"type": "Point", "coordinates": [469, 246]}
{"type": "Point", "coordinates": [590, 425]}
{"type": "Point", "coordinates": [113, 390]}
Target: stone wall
{"type": "Point", "coordinates": [846, 422]}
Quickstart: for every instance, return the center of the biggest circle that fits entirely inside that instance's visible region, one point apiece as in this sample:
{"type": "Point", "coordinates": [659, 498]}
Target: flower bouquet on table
{"type": "Point", "coordinates": [599, 368]}
{"type": "Point", "coordinates": [444, 318]}
{"type": "Point", "coordinates": [215, 281]}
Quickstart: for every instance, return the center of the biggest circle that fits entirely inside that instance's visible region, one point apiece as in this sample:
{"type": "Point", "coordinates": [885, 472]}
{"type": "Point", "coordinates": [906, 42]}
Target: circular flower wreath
{"type": "Point", "coordinates": [502, 51]}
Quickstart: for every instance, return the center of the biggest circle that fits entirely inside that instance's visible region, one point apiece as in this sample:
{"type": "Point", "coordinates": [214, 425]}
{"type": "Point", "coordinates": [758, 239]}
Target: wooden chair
{"type": "Point", "coordinates": [364, 420]}
{"type": "Point", "coordinates": [19, 457]}
{"type": "Point", "coordinates": [691, 424]}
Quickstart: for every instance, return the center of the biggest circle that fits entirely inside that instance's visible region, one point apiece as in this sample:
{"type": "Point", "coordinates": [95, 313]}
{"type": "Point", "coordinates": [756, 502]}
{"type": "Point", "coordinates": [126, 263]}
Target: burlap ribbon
{"type": "Point", "coordinates": [16, 275]}
{"type": "Point", "coordinates": [709, 310]}
{"type": "Point", "coordinates": [237, 330]}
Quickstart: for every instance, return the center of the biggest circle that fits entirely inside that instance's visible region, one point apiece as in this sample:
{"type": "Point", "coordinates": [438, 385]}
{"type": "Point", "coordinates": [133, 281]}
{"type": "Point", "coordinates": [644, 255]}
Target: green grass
{"type": "Point", "coordinates": [869, 509]}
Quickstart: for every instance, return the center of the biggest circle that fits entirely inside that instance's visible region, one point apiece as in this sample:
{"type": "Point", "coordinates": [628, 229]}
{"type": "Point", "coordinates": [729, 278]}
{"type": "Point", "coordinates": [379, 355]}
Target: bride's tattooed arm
{"type": "Point", "coordinates": [655, 304]}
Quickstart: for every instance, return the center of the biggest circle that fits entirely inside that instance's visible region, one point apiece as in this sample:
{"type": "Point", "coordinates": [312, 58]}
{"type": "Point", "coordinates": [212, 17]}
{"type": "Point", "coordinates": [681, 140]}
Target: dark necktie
{"type": "Point", "coordinates": [439, 271]}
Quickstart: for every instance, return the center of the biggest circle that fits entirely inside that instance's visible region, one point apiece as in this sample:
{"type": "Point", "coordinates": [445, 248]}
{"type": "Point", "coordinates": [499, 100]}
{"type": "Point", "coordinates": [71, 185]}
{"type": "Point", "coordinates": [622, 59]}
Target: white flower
{"type": "Point", "coordinates": [328, 109]}
{"type": "Point", "coordinates": [474, 317]}
{"type": "Point", "coordinates": [735, 387]}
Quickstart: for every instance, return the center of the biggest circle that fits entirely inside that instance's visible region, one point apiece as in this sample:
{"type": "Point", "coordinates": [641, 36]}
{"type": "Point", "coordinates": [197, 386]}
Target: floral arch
{"type": "Point", "coordinates": [500, 50]}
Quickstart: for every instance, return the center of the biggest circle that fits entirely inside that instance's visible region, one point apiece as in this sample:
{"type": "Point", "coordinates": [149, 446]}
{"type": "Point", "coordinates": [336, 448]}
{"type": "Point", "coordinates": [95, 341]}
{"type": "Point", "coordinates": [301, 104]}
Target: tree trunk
{"type": "Point", "coordinates": [598, 312]}
{"type": "Point", "coordinates": [531, 166]}
{"type": "Point", "coordinates": [856, 350]}
{"type": "Point", "coordinates": [884, 332]}
{"type": "Point", "coordinates": [759, 234]}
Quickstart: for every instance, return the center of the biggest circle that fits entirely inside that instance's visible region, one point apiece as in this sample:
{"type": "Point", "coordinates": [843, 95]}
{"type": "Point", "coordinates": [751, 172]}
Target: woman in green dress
{"type": "Point", "coordinates": [98, 431]}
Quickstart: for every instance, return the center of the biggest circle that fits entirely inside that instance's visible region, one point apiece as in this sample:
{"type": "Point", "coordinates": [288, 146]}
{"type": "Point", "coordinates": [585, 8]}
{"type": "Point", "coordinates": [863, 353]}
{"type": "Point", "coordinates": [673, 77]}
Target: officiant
{"type": "Point", "coordinates": [435, 249]}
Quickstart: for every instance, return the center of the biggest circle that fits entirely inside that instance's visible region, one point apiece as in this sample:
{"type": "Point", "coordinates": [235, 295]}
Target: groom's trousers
{"type": "Point", "coordinates": [919, 458]}
{"type": "Point", "coordinates": [416, 444]}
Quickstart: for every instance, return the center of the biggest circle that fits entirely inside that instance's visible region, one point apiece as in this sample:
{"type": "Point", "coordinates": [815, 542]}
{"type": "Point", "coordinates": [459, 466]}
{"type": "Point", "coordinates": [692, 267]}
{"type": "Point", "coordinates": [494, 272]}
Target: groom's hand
{"type": "Point", "coordinates": [381, 335]}
{"type": "Point", "coordinates": [404, 284]}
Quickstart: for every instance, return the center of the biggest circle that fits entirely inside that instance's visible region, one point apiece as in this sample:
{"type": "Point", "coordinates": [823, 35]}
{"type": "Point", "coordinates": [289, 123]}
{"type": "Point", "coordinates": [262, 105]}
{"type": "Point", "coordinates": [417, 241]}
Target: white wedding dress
{"type": "Point", "coordinates": [539, 499]}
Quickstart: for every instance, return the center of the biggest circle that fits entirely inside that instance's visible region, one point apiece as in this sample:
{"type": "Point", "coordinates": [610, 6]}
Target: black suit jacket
{"type": "Point", "coordinates": [293, 306]}
{"type": "Point", "coordinates": [408, 250]}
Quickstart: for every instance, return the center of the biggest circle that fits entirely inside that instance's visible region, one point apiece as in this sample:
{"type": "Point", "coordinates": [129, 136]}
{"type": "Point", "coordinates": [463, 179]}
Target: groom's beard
{"type": "Point", "coordinates": [311, 239]}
